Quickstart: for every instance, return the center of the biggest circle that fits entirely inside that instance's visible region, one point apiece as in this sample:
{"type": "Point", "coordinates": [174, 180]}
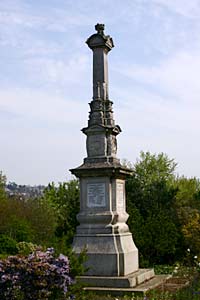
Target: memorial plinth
{"type": "Point", "coordinates": [103, 231]}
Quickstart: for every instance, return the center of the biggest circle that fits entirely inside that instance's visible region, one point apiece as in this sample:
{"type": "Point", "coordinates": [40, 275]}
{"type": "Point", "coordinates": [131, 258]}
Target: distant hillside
{"type": "Point", "coordinates": [25, 191]}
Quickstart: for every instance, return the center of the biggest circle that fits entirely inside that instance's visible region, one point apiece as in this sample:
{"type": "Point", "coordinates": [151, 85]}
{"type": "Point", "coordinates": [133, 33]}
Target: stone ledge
{"type": "Point", "coordinates": [114, 170]}
{"type": "Point", "coordinates": [143, 288]}
{"type": "Point", "coordinates": [131, 280]}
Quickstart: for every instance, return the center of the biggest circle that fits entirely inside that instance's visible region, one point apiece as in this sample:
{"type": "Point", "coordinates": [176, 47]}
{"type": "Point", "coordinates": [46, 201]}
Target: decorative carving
{"type": "Point", "coordinates": [100, 28]}
{"type": "Point", "coordinates": [111, 145]}
{"type": "Point", "coordinates": [120, 196]}
{"type": "Point", "coordinates": [101, 131]}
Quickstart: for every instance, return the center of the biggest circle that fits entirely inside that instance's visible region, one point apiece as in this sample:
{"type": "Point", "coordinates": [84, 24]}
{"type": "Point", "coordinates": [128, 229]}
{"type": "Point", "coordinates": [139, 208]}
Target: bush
{"type": "Point", "coordinates": [7, 245]}
{"type": "Point", "coordinates": [37, 276]}
{"type": "Point", "coordinates": [25, 248]}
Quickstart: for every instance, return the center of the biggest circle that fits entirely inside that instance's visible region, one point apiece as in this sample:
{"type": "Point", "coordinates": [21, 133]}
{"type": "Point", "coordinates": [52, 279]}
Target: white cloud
{"type": "Point", "coordinates": [160, 110]}
{"type": "Point", "coordinates": [177, 76]}
{"type": "Point", "coordinates": [58, 71]}
{"type": "Point", "coordinates": [36, 105]}
{"type": "Point", "coordinates": [39, 155]}
{"type": "Point", "coordinates": [40, 135]}
{"type": "Point", "coordinates": [155, 84]}
{"type": "Point", "coordinates": [16, 18]}
{"type": "Point", "coordinates": [185, 8]}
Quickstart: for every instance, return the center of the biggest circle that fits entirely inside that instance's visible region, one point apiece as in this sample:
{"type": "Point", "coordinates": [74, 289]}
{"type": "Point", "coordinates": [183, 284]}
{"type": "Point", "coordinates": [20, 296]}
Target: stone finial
{"type": "Point", "coordinates": [99, 39]}
{"type": "Point", "coordinates": [100, 28]}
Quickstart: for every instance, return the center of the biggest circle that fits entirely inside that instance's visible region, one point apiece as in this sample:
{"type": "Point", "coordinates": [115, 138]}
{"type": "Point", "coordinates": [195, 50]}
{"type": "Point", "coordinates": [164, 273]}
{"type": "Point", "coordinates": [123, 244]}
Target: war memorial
{"type": "Point", "coordinates": [112, 255]}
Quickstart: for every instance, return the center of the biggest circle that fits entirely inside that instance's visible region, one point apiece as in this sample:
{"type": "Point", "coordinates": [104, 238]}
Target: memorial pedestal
{"type": "Point", "coordinates": [103, 231]}
{"type": "Point", "coordinates": [112, 257]}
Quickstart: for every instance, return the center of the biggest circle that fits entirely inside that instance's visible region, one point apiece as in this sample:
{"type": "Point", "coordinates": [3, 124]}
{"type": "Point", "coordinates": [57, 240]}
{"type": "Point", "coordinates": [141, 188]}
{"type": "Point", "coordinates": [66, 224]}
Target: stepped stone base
{"type": "Point", "coordinates": [129, 281]}
{"type": "Point", "coordinates": [143, 288]}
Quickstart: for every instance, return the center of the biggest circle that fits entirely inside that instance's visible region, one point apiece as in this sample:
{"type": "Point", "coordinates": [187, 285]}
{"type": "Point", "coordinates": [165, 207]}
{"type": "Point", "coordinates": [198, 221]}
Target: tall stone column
{"type": "Point", "coordinates": [101, 131]}
{"type": "Point", "coordinates": [103, 230]}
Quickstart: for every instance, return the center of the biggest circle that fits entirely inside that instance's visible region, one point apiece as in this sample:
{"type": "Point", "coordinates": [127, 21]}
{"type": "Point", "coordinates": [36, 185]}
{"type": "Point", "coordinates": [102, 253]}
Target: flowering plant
{"type": "Point", "coordinates": [37, 276]}
{"type": "Point", "coordinates": [197, 263]}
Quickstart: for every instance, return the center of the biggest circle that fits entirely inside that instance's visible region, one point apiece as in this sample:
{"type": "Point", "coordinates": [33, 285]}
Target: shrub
{"type": "Point", "coordinates": [37, 276]}
{"type": "Point", "coordinates": [7, 245]}
{"type": "Point", "coordinates": [25, 248]}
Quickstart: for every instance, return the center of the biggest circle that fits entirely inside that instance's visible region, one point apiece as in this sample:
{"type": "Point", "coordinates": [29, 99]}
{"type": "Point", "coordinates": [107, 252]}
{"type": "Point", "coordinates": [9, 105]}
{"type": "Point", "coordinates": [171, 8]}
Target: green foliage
{"type": "Point", "coordinates": [77, 268]}
{"type": "Point", "coordinates": [188, 192]}
{"type": "Point", "coordinates": [19, 228]}
{"type": "Point", "coordinates": [150, 204]}
{"type": "Point", "coordinates": [149, 187]}
{"type": "Point", "coordinates": [7, 245]}
{"type": "Point", "coordinates": [164, 213]}
{"type": "Point", "coordinates": [25, 248]}
{"type": "Point", "coordinates": [164, 210]}
{"type": "Point", "coordinates": [65, 201]}
{"type": "Point", "coordinates": [49, 220]}
{"type": "Point", "coordinates": [77, 262]}
{"type": "Point", "coordinates": [188, 211]}
{"type": "Point", "coordinates": [152, 168]}
{"type": "Point", "coordinates": [190, 219]}
{"type": "Point", "coordinates": [42, 219]}
{"type": "Point", "coordinates": [164, 269]}
{"type": "Point", "coordinates": [29, 221]}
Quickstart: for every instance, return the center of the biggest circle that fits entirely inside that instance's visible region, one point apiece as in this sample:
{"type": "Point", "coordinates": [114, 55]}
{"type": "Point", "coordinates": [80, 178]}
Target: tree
{"type": "Point", "coordinates": [188, 192]}
{"type": "Point", "coordinates": [150, 204]}
{"type": "Point", "coordinates": [65, 201]}
{"type": "Point", "coordinates": [188, 211]}
{"type": "Point", "coordinates": [42, 219]}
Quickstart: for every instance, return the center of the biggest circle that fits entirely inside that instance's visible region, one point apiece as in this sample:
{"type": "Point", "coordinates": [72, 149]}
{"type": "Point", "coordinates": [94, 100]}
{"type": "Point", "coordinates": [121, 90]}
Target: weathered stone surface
{"type": "Point", "coordinates": [101, 131]}
{"type": "Point", "coordinates": [108, 254]}
{"type": "Point", "coordinates": [112, 254]}
{"type": "Point", "coordinates": [103, 230]}
{"type": "Point", "coordinates": [115, 288]}
{"type": "Point", "coordinates": [131, 280]}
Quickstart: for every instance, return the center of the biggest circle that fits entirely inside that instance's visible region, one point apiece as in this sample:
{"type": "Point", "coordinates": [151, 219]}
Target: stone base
{"type": "Point", "coordinates": [108, 254]}
{"type": "Point", "coordinates": [131, 280]}
{"type": "Point", "coordinates": [141, 289]}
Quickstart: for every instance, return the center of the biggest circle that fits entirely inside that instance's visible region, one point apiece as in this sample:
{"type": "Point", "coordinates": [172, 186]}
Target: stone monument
{"type": "Point", "coordinates": [112, 254]}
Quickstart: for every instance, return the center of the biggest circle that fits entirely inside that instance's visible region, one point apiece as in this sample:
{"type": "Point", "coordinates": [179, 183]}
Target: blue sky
{"type": "Point", "coordinates": [46, 82]}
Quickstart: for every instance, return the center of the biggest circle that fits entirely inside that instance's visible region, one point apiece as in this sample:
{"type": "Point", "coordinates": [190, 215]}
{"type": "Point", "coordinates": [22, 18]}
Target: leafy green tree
{"type": "Point", "coordinates": [150, 204]}
{"type": "Point", "coordinates": [191, 229]}
{"type": "Point", "coordinates": [31, 220]}
{"type": "Point", "coordinates": [188, 192]}
{"type": "Point", "coordinates": [42, 219]}
{"type": "Point", "coordinates": [188, 211]}
{"type": "Point", "coordinates": [65, 201]}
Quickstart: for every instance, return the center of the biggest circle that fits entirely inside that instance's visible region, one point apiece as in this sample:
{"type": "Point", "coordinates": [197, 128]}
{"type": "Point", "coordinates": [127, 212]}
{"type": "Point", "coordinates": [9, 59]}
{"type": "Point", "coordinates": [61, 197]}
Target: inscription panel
{"type": "Point", "coordinates": [120, 196]}
{"type": "Point", "coordinates": [96, 195]}
{"type": "Point", "coordinates": [96, 145]}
